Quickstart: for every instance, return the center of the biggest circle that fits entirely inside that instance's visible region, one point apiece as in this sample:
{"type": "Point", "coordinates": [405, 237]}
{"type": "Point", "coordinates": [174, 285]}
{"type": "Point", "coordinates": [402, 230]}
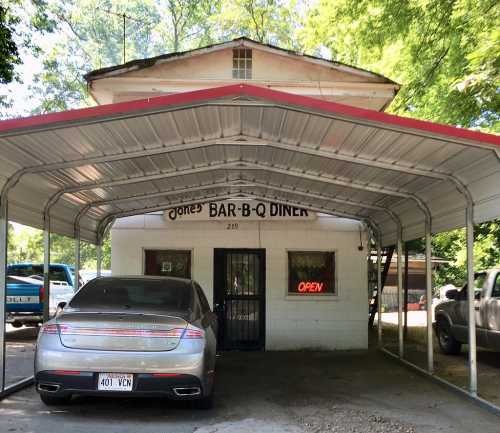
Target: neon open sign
{"type": "Point", "coordinates": [310, 287]}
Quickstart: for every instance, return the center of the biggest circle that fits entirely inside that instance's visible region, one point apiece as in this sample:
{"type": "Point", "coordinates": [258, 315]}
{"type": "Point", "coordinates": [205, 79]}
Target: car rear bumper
{"type": "Point", "coordinates": [178, 387]}
{"type": "Point", "coordinates": [186, 361]}
{"type": "Point", "coordinates": [28, 318]}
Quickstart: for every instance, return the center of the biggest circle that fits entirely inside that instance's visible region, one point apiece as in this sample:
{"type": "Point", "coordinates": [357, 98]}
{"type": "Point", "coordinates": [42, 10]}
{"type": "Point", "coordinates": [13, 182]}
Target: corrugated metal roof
{"type": "Point", "coordinates": [89, 166]}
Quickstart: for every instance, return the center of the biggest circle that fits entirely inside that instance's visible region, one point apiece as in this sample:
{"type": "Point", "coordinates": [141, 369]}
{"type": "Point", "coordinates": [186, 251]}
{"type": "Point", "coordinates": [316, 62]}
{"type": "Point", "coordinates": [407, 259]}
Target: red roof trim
{"type": "Point", "coordinates": [245, 90]}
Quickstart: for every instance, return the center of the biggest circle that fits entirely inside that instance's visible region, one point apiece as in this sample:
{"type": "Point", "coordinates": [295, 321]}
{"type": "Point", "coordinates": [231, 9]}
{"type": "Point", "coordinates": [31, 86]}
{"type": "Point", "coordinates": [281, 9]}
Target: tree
{"type": "Point", "coordinates": [26, 246]}
{"type": "Point", "coordinates": [444, 52]}
{"type": "Point", "coordinates": [188, 21]}
{"type": "Point", "coordinates": [9, 54]}
{"type": "Point", "coordinates": [451, 245]}
{"type": "Point", "coordinates": [267, 21]}
{"type": "Point", "coordinates": [92, 37]}
{"type": "Point", "coordinates": [20, 21]}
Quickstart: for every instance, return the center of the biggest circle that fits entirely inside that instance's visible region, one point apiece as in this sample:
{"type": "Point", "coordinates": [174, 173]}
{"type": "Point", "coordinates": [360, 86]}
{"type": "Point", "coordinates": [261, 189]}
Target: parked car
{"type": "Point", "coordinates": [25, 291]}
{"type": "Point", "coordinates": [87, 275]}
{"type": "Point", "coordinates": [452, 319]}
{"type": "Point", "coordinates": [129, 335]}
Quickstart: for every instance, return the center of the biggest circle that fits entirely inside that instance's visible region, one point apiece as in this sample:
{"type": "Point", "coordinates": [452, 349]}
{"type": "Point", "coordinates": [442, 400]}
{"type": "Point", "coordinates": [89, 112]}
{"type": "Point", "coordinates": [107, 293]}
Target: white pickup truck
{"type": "Point", "coordinates": [452, 318]}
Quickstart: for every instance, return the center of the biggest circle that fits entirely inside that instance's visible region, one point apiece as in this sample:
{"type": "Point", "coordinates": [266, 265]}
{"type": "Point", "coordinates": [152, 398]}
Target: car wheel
{"type": "Point", "coordinates": [54, 400]}
{"type": "Point", "coordinates": [447, 342]}
{"type": "Point", "coordinates": [16, 324]}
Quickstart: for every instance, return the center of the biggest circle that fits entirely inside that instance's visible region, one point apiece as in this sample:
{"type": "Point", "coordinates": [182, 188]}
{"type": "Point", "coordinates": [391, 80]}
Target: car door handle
{"type": "Point", "coordinates": [476, 308]}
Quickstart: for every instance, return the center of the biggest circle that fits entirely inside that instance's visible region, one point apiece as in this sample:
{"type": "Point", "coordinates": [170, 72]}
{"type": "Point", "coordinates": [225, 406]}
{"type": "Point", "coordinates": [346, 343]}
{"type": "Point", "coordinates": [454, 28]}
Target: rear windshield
{"type": "Point", "coordinates": [130, 293]}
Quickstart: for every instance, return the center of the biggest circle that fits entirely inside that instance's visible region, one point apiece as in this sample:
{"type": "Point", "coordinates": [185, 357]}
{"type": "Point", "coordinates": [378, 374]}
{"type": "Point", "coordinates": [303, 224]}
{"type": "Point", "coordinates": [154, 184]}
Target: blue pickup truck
{"type": "Point", "coordinates": [26, 294]}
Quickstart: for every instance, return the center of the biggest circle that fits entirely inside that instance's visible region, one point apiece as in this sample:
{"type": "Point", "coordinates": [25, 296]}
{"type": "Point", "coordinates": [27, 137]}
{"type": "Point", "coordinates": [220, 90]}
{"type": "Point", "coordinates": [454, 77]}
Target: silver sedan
{"type": "Point", "coordinates": [145, 336]}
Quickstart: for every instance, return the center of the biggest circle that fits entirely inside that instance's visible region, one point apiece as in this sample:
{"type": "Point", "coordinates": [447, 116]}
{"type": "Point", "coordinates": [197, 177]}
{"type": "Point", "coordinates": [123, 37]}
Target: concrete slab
{"type": "Point", "coordinates": [19, 353]}
{"type": "Point", "coordinates": [274, 392]}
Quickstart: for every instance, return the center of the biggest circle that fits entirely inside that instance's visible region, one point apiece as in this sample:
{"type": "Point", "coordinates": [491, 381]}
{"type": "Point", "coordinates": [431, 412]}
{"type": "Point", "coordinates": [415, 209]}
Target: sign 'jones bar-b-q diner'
{"type": "Point", "coordinates": [249, 210]}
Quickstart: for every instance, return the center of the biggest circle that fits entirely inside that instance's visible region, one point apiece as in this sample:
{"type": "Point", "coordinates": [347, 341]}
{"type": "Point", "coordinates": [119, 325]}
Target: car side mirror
{"type": "Point", "coordinates": [477, 296]}
{"type": "Point", "coordinates": [60, 307]}
{"type": "Point", "coordinates": [451, 294]}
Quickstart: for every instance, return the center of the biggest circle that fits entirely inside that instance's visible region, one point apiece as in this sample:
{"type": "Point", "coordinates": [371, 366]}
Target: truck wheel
{"type": "Point", "coordinates": [53, 400]}
{"type": "Point", "coordinates": [447, 342]}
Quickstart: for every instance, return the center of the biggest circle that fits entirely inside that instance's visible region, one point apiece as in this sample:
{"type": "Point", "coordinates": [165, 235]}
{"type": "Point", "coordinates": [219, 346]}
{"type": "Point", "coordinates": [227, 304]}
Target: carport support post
{"type": "Point", "coordinates": [470, 300]}
{"type": "Point", "coordinates": [77, 260]}
{"type": "Point", "coordinates": [46, 266]}
{"type": "Point", "coordinates": [428, 295]}
{"type": "Point", "coordinates": [400, 293]}
{"type": "Point", "coordinates": [99, 258]}
{"type": "Point", "coordinates": [379, 291]}
{"type": "Point", "coordinates": [4, 238]}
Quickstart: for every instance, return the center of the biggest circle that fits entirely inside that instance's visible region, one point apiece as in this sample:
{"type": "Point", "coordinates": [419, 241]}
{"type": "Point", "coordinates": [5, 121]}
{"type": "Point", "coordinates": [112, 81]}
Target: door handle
{"type": "Point", "coordinates": [476, 308]}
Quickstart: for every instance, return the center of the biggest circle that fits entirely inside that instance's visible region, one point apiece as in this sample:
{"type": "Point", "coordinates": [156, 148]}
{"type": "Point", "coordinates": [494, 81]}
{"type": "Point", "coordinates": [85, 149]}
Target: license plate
{"type": "Point", "coordinates": [115, 382]}
{"type": "Point", "coordinates": [23, 300]}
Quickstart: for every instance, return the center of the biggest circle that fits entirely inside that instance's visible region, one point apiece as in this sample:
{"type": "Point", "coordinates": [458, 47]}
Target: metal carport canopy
{"type": "Point", "coordinates": [88, 166]}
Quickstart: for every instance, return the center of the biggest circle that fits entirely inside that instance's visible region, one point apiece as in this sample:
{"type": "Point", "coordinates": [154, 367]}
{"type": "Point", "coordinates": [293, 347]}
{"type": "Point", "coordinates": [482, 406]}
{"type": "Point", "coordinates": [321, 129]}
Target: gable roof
{"type": "Point", "coordinates": [135, 65]}
{"type": "Point", "coordinates": [80, 169]}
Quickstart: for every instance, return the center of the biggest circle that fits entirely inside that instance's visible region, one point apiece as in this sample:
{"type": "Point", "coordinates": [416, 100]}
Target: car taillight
{"type": "Point", "coordinates": [175, 333]}
{"type": "Point", "coordinates": [119, 332]}
{"type": "Point", "coordinates": [193, 333]}
{"type": "Point", "coordinates": [41, 294]}
{"type": "Point", "coordinates": [49, 328]}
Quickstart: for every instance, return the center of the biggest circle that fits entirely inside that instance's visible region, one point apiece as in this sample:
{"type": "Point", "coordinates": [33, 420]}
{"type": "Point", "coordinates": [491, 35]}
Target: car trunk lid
{"type": "Point", "coordinates": [120, 331]}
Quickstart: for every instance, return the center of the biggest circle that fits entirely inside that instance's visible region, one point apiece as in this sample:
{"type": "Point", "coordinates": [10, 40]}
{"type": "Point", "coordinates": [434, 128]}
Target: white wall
{"type": "Point", "coordinates": [274, 70]}
{"type": "Point", "coordinates": [312, 322]}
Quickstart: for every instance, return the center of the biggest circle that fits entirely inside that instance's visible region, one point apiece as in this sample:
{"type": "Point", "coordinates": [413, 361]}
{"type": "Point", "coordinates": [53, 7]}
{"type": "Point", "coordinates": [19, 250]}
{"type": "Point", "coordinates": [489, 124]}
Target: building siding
{"type": "Point", "coordinates": [292, 323]}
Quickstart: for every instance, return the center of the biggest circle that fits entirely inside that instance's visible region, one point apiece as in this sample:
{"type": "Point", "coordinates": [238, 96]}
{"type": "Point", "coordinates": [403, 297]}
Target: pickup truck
{"type": "Point", "coordinates": [452, 318]}
{"type": "Point", "coordinates": [26, 294]}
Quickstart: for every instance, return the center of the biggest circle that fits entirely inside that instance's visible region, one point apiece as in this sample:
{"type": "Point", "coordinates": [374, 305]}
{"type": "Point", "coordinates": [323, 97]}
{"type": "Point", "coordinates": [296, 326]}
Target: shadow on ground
{"type": "Point", "coordinates": [273, 392]}
{"type": "Point", "coordinates": [453, 368]}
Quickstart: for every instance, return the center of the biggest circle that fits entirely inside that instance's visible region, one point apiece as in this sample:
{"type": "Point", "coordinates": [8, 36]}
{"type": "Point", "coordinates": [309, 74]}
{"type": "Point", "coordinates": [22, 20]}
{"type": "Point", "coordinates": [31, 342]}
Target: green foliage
{"type": "Point", "coordinates": [268, 21]}
{"type": "Point", "coordinates": [444, 52]}
{"type": "Point", "coordinates": [92, 36]}
{"type": "Point", "coordinates": [9, 54]}
{"type": "Point", "coordinates": [452, 246]}
{"type": "Point", "coordinates": [188, 23]}
{"type": "Point", "coordinates": [26, 246]}
{"type": "Point", "coordinates": [20, 22]}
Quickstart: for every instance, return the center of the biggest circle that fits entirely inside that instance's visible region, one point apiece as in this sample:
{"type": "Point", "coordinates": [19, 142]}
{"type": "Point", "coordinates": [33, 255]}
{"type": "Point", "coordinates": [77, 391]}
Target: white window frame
{"type": "Point", "coordinates": [242, 64]}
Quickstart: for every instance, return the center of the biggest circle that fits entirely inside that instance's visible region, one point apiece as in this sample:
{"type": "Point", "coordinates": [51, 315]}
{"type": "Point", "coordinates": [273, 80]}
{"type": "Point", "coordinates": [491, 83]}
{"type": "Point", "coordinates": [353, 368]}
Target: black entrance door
{"type": "Point", "coordinates": [239, 297]}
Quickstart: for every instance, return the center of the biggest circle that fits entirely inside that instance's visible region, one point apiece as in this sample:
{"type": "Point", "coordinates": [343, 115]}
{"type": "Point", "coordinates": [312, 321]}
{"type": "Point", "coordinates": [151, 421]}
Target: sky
{"type": "Point", "coordinates": [31, 65]}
